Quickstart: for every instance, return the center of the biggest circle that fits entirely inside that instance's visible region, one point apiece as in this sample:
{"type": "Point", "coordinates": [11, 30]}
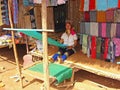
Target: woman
{"type": "Point", "coordinates": [69, 39]}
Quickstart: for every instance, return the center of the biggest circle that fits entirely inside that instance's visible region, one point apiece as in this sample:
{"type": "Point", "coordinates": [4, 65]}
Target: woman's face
{"type": "Point", "coordinates": [68, 27]}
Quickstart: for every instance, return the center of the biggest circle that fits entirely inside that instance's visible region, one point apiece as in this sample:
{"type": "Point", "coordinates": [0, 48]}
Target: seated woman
{"type": "Point", "coordinates": [69, 39]}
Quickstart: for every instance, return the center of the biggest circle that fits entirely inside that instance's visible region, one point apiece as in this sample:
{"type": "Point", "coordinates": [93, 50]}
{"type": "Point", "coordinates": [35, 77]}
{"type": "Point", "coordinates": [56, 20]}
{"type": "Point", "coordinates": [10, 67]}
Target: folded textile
{"type": "Point", "coordinates": [87, 16]}
{"type": "Point", "coordinates": [113, 30]}
{"type": "Point", "coordinates": [86, 5]}
{"type": "Point", "coordinates": [92, 4]}
{"type": "Point", "coordinates": [103, 29]}
{"type": "Point", "coordinates": [82, 28]}
{"type": "Point", "coordinates": [101, 5]}
{"type": "Point", "coordinates": [118, 3]}
{"type": "Point", "coordinates": [112, 4]}
{"type": "Point", "coordinates": [108, 28]}
{"type": "Point", "coordinates": [81, 5]}
{"type": "Point", "coordinates": [93, 16]}
{"type": "Point", "coordinates": [94, 29]}
{"type": "Point", "coordinates": [87, 28]}
{"type": "Point", "coordinates": [118, 30]}
{"type": "Point", "coordinates": [99, 29]}
{"type": "Point", "coordinates": [117, 15]}
{"type": "Point", "coordinates": [101, 16]}
{"type": "Point", "coordinates": [110, 15]}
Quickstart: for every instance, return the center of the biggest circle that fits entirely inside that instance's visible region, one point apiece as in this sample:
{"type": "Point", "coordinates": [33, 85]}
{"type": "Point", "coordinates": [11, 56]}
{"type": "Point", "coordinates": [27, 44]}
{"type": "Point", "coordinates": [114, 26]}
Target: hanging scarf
{"type": "Point", "coordinates": [118, 3]}
{"type": "Point", "coordinates": [93, 47]}
{"type": "Point", "coordinates": [15, 11]}
{"type": "Point", "coordinates": [92, 4]}
{"type": "Point", "coordinates": [72, 31]}
{"type": "Point", "coordinates": [106, 48]}
{"type": "Point", "coordinates": [81, 5]}
{"type": "Point", "coordinates": [103, 29]}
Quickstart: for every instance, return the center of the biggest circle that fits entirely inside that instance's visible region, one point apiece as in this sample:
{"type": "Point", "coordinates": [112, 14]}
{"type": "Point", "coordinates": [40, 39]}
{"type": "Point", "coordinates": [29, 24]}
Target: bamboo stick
{"type": "Point", "coordinates": [13, 41]}
{"type": "Point", "coordinates": [45, 45]}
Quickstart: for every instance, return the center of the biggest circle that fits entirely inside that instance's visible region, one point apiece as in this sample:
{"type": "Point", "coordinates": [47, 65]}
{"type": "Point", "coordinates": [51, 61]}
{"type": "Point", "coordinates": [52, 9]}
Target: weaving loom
{"type": "Point", "coordinates": [59, 72]}
{"type": "Point", "coordinates": [37, 35]}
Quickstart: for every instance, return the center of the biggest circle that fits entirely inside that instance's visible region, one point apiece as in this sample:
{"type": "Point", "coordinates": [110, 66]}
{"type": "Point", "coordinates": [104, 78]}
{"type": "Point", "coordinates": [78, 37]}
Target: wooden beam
{"type": "Point", "coordinates": [23, 29]}
{"type": "Point", "coordinates": [45, 45]}
{"type": "Point", "coordinates": [13, 41]}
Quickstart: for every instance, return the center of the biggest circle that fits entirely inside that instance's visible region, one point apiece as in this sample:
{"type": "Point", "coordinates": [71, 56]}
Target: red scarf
{"type": "Point", "coordinates": [72, 31]}
{"type": "Point", "coordinates": [92, 5]}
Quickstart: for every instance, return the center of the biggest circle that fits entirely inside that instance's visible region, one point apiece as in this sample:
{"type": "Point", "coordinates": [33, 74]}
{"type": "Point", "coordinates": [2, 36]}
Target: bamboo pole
{"type": "Point", "coordinates": [45, 45]}
{"type": "Point", "coordinates": [13, 41]}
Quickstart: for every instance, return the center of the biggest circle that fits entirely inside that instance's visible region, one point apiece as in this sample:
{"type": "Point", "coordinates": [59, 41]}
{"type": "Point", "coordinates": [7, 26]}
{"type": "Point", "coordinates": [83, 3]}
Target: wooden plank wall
{"type": "Point", "coordinates": [74, 13]}
{"type": "Point", "coordinates": [24, 17]}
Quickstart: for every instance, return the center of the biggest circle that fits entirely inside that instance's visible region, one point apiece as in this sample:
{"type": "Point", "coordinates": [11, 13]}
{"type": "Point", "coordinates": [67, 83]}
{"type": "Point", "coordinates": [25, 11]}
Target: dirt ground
{"type": "Point", "coordinates": [84, 80]}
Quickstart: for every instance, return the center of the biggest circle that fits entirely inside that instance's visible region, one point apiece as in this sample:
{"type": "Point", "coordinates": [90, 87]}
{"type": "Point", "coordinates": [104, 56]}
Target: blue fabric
{"type": "Point", "coordinates": [5, 11]}
{"type": "Point", "coordinates": [64, 57]}
{"type": "Point", "coordinates": [87, 28]}
{"type": "Point", "coordinates": [101, 4]}
{"type": "Point", "coordinates": [112, 3]}
{"type": "Point", "coordinates": [55, 56]}
{"type": "Point", "coordinates": [15, 11]}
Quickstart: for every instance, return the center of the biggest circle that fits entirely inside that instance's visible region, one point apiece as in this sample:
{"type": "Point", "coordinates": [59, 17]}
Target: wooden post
{"type": "Point", "coordinates": [13, 41]}
{"type": "Point", "coordinates": [45, 45]}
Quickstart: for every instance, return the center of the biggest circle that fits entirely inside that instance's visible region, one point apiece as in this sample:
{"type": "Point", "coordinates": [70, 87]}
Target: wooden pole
{"type": "Point", "coordinates": [27, 46]}
{"type": "Point", "coordinates": [45, 45]}
{"type": "Point", "coordinates": [13, 41]}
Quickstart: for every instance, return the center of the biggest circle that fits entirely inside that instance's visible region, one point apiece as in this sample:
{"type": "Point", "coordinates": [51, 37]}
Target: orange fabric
{"type": "Point", "coordinates": [101, 16]}
{"type": "Point", "coordinates": [81, 5]}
